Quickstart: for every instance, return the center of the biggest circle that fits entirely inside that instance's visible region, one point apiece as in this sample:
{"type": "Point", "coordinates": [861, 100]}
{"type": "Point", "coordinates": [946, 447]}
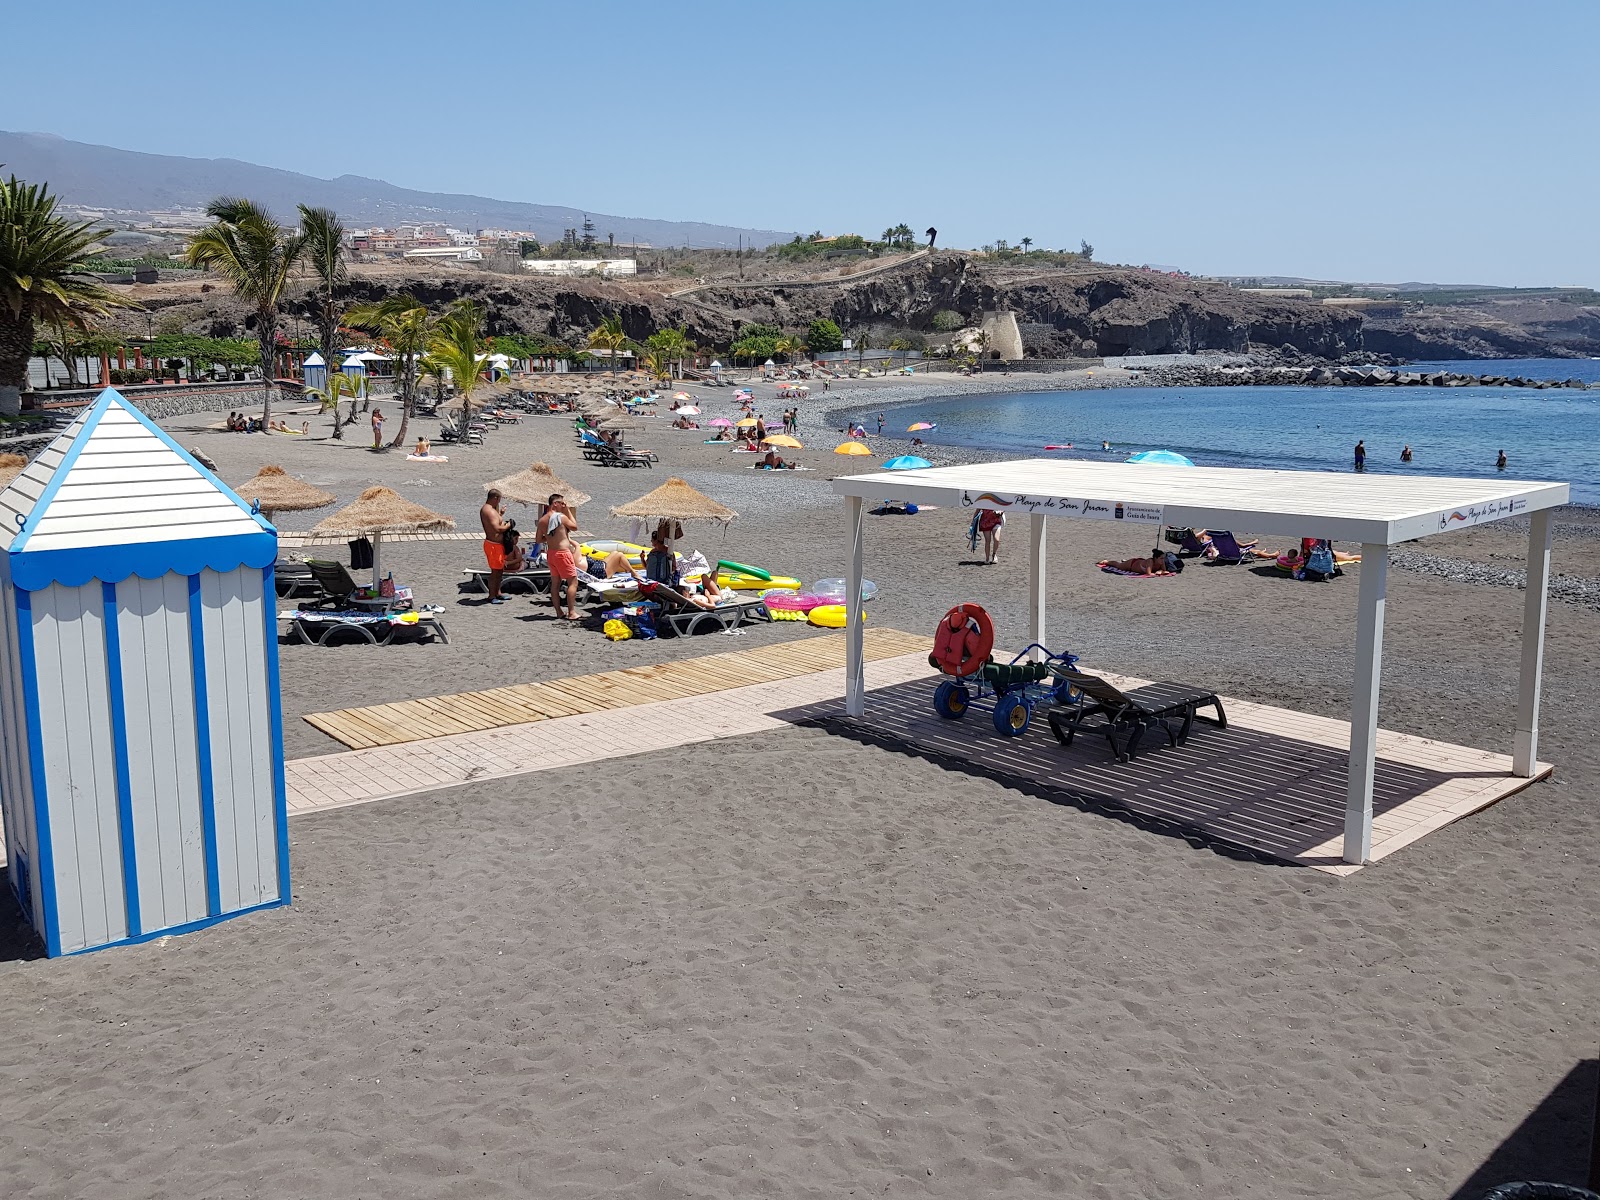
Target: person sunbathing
{"type": "Point", "coordinates": [1159, 563]}
{"type": "Point", "coordinates": [423, 447]}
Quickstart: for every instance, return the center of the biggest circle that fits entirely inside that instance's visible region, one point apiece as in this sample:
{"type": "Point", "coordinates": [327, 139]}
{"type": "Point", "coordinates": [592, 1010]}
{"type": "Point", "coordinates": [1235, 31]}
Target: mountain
{"type": "Point", "coordinates": [105, 177]}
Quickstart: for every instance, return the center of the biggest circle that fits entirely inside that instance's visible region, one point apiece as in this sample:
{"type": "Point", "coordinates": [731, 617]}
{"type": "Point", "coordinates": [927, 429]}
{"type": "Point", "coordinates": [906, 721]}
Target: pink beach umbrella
{"type": "Point", "coordinates": [720, 423]}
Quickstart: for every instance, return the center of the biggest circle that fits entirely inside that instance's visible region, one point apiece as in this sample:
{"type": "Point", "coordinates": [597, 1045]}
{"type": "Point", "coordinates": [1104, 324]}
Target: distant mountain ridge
{"type": "Point", "coordinates": [106, 177]}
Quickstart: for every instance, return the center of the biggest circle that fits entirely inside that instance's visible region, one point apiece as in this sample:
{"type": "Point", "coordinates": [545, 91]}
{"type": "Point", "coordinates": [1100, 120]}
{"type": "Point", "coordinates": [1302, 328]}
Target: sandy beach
{"type": "Point", "coordinates": [803, 967]}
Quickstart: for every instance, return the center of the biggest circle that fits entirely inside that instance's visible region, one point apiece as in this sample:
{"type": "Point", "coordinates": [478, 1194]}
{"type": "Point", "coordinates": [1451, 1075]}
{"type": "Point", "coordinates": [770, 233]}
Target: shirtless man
{"type": "Point", "coordinates": [562, 556]}
{"type": "Point", "coordinates": [493, 516]}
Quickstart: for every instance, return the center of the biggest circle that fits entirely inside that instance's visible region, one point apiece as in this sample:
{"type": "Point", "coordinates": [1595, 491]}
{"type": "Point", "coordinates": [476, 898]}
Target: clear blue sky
{"type": "Point", "coordinates": [1440, 140]}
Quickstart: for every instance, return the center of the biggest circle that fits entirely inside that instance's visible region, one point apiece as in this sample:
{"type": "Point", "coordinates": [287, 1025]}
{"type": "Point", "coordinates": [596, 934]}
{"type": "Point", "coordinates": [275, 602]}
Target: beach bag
{"type": "Point", "coordinates": [1319, 562]}
{"type": "Point", "coordinates": [617, 630]}
{"type": "Point", "coordinates": [361, 554]}
{"type": "Point", "coordinates": [386, 588]}
{"type": "Point", "coordinates": [1177, 536]}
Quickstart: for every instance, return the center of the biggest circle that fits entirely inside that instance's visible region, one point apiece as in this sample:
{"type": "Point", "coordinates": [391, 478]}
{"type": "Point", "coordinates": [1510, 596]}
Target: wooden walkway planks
{"type": "Point", "coordinates": [402, 721]}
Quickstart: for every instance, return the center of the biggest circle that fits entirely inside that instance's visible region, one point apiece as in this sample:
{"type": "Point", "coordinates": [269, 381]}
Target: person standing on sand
{"type": "Point", "coordinates": [1500, 463]}
{"type": "Point", "coordinates": [990, 522]}
{"type": "Point", "coordinates": [559, 527]}
{"type": "Point", "coordinates": [377, 429]}
{"type": "Point", "coordinates": [1361, 455]}
{"type": "Point", "coordinates": [880, 424]}
{"type": "Point", "coordinates": [493, 517]}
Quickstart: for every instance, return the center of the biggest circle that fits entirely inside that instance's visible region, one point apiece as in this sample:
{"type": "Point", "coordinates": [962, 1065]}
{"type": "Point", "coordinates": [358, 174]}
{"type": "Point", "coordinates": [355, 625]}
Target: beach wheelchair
{"type": "Point", "coordinates": [962, 650]}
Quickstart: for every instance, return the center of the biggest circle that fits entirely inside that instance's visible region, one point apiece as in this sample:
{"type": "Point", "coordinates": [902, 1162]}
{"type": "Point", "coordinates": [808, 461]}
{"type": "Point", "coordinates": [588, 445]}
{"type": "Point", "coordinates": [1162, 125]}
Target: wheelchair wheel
{"type": "Point", "coordinates": [1012, 712]}
{"type": "Point", "coordinates": [951, 700]}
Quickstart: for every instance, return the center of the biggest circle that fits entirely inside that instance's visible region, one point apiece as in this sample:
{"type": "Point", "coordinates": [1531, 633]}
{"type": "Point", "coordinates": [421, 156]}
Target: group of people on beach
{"type": "Point", "coordinates": [237, 422]}
{"type": "Point", "coordinates": [553, 530]}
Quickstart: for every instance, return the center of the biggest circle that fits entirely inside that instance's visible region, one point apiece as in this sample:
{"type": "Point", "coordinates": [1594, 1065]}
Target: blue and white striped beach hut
{"type": "Point", "coordinates": [356, 368]}
{"type": "Point", "coordinates": [314, 372]}
{"type": "Point", "coordinates": [141, 742]}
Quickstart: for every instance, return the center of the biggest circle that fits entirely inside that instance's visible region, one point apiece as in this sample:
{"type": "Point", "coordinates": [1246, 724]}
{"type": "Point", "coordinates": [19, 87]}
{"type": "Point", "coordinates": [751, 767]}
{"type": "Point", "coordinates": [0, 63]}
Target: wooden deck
{"type": "Point", "coordinates": [1272, 784]}
{"type": "Point", "coordinates": [472, 712]}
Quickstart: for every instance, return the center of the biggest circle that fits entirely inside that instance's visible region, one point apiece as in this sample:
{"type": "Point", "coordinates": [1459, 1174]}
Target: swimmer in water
{"type": "Point", "coordinates": [1405, 454]}
{"type": "Point", "coordinates": [1500, 463]}
{"type": "Point", "coordinates": [1105, 445]}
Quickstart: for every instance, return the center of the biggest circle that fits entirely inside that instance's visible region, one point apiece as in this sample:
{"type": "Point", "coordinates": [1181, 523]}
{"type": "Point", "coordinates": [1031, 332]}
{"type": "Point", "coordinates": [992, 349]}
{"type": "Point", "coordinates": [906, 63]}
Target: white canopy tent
{"type": "Point", "coordinates": [1378, 511]}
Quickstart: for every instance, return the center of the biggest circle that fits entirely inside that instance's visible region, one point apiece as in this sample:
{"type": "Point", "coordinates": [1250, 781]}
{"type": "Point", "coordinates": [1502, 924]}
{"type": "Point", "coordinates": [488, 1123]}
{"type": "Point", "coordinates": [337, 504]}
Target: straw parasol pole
{"type": "Point", "coordinates": [675, 500]}
{"type": "Point", "coordinates": [274, 490]}
{"type": "Point", "coordinates": [381, 510]}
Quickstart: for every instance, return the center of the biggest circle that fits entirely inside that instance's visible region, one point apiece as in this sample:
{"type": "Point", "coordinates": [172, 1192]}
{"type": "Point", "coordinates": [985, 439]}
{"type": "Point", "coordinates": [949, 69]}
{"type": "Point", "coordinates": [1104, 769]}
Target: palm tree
{"type": "Point", "coordinates": [608, 336]}
{"type": "Point", "coordinates": [673, 344]}
{"type": "Point", "coordinates": [339, 386]}
{"type": "Point", "coordinates": [325, 243]}
{"type": "Point", "coordinates": [1025, 243]}
{"type": "Point", "coordinates": [456, 347]}
{"type": "Point", "coordinates": [44, 265]}
{"type": "Point", "coordinates": [406, 327]}
{"type": "Point", "coordinates": [256, 256]}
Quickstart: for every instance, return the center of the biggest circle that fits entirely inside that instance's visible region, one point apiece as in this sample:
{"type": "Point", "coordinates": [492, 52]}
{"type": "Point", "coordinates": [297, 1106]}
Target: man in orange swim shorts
{"type": "Point", "coordinates": [559, 526]}
{"type": "Point", "coordinates": [493, 516]}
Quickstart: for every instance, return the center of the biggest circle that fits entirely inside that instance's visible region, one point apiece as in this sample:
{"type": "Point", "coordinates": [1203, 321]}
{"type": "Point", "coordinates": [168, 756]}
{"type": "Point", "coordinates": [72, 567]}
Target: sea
{"type": "Point", "coordinates": [1546, 435]}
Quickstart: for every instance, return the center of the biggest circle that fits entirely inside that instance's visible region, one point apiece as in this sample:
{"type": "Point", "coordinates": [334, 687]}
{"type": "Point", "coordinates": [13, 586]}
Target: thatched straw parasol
{"type": "Point", "coordinates": [675, 500]}
{"type": "Point", "coordinates": [536, 485]}
{"type": "Point", "coordinates": [11, 465]}
{"type": "Point", "coordinates": [381, 510]}
{"type": "Point", "coordinates": [274, 490]}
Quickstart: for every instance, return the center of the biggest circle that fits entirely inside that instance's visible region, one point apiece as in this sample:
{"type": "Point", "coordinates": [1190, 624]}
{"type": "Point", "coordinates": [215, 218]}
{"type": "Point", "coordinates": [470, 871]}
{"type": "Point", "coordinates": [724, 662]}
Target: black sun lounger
{"type": "Point", "coordinates": [1132, 713]}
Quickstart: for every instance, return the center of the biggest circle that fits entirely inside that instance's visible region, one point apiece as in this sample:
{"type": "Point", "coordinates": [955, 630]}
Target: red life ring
{"type": "Point", "coordinates": [963, 641]}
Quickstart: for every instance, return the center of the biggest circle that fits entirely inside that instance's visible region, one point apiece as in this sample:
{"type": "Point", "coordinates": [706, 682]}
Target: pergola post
{"type": "Point", "coordinates": [1364, 702]}
{"type": "Point", "coordinates": [855, 678]}
{"type": "Point", "coordinates": [1535, 604]}
{"type": "Point", "coordinates": [1036, 576]}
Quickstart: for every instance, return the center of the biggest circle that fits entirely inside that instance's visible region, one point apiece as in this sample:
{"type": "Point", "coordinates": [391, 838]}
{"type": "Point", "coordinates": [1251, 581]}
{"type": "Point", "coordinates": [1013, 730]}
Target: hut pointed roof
{"type": "Point", "coordinates": [274, 490]}
{"type": "Point", "coordinates": [676, 500]}
{"type": "Point", "coordinates": [113, 495]}
{"type": "Point", "coordinates": [383, 510]}
{"type": "Point", "coordinates": [536, 485]}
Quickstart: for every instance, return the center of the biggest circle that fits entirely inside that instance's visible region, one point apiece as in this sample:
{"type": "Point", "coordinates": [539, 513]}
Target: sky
{"type": "Point", "coordinates": [1371, 140]}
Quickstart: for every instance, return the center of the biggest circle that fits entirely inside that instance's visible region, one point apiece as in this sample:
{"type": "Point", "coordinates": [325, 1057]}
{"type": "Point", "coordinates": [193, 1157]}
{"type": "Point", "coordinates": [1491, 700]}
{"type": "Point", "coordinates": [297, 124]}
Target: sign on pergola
{"type": "Point", "coordinates": [1378, 511]}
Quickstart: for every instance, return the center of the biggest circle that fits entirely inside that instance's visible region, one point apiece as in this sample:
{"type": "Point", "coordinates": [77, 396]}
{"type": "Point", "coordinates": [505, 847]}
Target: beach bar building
{"type": "Point", "coordinates": [141, 743]}
{"type": "Point", "coordinates": [1378, 511]}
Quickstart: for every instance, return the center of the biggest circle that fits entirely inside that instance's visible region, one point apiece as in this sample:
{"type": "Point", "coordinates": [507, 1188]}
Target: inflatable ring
{"type": "Point", "coordinates": [837, 589]}
{"type": "Point", "coordinates": [830, 616]}
{"type": "Point", "coordinates": [963, 641]}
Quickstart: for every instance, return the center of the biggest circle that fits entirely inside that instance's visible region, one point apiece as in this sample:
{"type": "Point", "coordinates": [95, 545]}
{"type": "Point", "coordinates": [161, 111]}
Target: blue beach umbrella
{"type": "Point", "coordinates": [1166, 458]}
{"type": "Point", "coordinates": [906, 462]}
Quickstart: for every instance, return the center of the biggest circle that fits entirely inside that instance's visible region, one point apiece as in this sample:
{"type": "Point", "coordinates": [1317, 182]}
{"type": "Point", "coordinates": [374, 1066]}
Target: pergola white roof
{"type": "Point", "coordinates": [1375, 510]}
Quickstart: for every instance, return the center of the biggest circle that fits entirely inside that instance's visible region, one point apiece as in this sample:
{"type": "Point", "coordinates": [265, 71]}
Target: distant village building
{"type": "Point", "coordinates": [1280, 293]}
{"type": "Point", "coordinates": [610, 268]}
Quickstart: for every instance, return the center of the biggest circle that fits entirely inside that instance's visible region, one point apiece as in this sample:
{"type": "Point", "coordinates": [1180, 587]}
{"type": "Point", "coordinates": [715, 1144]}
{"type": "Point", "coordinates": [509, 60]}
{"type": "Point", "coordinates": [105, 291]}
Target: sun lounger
{"type": "Point", "coordinates": [533, 582]}
{"type": "Point", "coordinates": [294, 579]}
{"type": "Point", "coordinates": [730, 613]}
{"type": "Point", "coordinates": [320, 628]}
{"type": "Point", "coordinates": [1132, 713]}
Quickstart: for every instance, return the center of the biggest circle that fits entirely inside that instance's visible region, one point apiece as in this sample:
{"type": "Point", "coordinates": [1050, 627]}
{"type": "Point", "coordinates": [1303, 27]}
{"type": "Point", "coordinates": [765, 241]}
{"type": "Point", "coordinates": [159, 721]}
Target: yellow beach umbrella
{"type": "Point", "coordinates": [784, 440]}
{"type": "Point", "coordinates": [746, 423]}
{"type": "Point", "coordinates": [853, 448]}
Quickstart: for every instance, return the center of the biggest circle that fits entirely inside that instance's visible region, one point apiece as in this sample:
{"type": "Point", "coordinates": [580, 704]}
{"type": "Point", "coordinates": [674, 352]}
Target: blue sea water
{"type": "Point", "coordinates": [1547, 435]}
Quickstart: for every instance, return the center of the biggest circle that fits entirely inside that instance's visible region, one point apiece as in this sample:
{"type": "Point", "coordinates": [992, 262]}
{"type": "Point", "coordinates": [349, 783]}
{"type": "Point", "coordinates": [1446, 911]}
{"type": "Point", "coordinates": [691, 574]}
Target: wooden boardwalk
{"type": "Point", "coordinates": [520, 704]}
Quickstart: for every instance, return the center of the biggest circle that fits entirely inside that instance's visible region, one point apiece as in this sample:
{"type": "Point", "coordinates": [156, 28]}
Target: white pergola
{"type": "Point", "coordinates": [1376, 510]}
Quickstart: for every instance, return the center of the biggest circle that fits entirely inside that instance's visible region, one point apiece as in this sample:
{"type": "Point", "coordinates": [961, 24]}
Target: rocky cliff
{"type": "Point", "coordinates": [1520, 328]}
{"type": "Point", "coordinates": [1061, 313]}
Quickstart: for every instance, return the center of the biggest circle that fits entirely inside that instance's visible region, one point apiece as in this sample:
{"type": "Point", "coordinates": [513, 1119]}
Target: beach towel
{"type": "Point", "coordinates": [428, 457]}
{"type": "Point", "coordinates": [1111, 570]}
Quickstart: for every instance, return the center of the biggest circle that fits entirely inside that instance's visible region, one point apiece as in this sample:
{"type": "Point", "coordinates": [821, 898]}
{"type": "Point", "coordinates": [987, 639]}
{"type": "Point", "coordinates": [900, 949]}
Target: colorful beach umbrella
{"type": "Point", "coordinates": [746, 423]}
{"type": "Point", "coordinates": [784, 440]}
{"type": "Point", "coordinates": [921, 425]}
{"type": "Point", "coordinates": [1162, 458]}
{"type": "Point", "coordinates": [906, 462]}
{"type": "Point", "coordinates": [682, 396]}
{"type": "Point", "coordinates": [720, 423]}
{"type": "Point", "coordinates": [853, 448]}
{"type": "Point", "coordinates": [687, 410]}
